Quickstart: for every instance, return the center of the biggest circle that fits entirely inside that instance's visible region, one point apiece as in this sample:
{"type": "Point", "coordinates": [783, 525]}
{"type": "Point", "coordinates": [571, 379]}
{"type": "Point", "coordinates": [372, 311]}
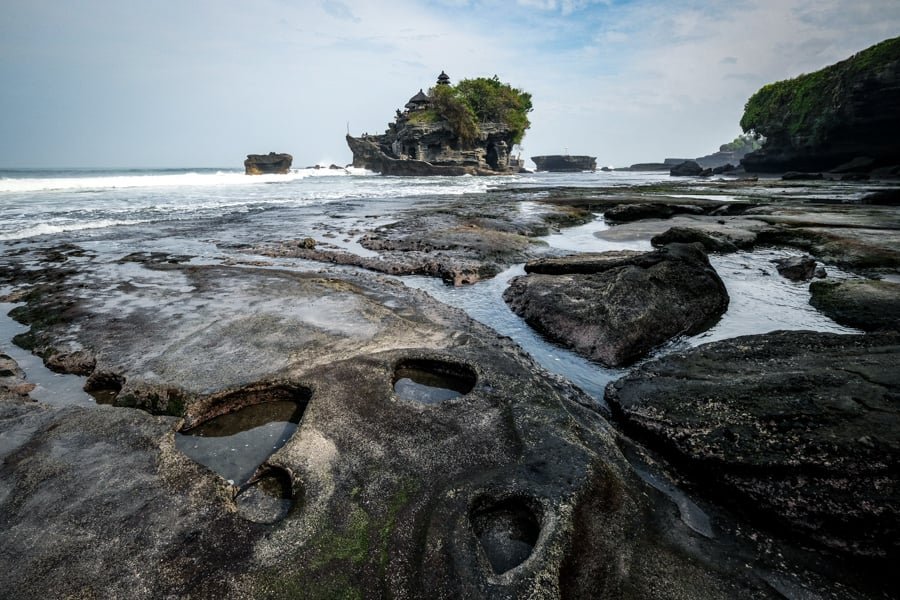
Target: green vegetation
{"type": "Point", "coordinates": [808, 106]}
{"type": "Point", "coordinates": [474, 101]}
{"type": "Point", "coordinates": [743, 143]}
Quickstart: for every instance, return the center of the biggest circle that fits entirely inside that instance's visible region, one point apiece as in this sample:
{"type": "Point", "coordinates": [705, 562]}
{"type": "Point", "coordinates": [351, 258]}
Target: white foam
{"type": "Point", "coordinates": [46, 228]}
{"type": "Point", "coordinates": [165, 180]}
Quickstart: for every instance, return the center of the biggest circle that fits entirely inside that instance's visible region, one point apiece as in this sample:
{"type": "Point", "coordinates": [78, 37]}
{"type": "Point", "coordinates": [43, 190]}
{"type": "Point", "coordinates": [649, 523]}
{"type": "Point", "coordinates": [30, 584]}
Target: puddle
{"type": "Point", "coordinates": [52, 388]}
{"type": "Point", "coordinates": [431, 381]}
{"type": "Point", "coordinates": [235, 444]}
{"type": "Point", "coordinates": [508, 532]}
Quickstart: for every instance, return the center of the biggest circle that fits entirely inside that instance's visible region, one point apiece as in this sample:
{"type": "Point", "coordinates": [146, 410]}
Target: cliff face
{"type": "Point", "coordinates": [821, 120]}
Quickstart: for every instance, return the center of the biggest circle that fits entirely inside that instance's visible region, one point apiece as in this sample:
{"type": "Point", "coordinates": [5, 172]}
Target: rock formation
{"type": "Point", "coordinates": [823, 120]}
{"type": "Point", "coordinates": [615, 307]}
{"type": "Point", "coordinates": [565, 163]}
{"type": "Point", "coordinates": [436, 133]}
{"type": "Point", "coordinates": [795, 428]}
{"type": "Point", "coordinates": [267, 164]}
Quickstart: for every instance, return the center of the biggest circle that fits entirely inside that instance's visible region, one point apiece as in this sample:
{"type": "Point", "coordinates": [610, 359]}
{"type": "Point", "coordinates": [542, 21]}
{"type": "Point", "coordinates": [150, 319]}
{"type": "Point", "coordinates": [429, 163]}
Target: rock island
{"type": "Point", "coordinates": [465, 129]}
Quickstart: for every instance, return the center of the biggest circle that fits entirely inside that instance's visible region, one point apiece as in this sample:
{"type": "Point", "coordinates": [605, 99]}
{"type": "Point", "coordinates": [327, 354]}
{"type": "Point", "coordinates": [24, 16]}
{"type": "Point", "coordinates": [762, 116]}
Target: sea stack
{"type": "Point", "coordinates": [565, 163]}
{"type": "Point", "coordinates": [267, 164]}
{"type": "Point", "coordinates": [450, 131]}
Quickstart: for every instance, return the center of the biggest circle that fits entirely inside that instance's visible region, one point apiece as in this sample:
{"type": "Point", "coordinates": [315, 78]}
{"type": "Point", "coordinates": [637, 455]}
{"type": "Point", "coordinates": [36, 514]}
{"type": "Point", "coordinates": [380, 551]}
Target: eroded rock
{"type": "Point", "coordinates": [866, 304]}
{"type": "Point", "coordinates": [616, 309]}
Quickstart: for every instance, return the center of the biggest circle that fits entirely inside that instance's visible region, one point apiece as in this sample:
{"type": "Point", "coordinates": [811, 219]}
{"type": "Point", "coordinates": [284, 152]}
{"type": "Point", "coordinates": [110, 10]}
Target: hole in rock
{"type": "Point", "coordinates": [432, 381]}
{"type": "Point", "coordinates": [104, 387]}
{"type": "Point", "coordinates": [234, 444]}
{"type": "Point", "coordinates": [508, 531]}
{"type": "Point", "coordinates": [267, 498]}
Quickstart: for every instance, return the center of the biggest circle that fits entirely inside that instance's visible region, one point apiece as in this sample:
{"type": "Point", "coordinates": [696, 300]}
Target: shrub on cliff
{"type": "Point", "coordinates": [481, 100]}
{"type": "Point", "coordinates": [806, 109]}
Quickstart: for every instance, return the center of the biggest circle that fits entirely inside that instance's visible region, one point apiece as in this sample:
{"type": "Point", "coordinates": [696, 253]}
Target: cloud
{"type": "Point", "coordinates": [339, 10]}
{"type": "Point", "coordinates": [126, 85]}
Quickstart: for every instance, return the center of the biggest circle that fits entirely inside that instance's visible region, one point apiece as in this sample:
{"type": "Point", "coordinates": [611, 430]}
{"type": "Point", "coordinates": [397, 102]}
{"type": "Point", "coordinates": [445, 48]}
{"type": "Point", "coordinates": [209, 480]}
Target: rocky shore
{"type": "Point", "coordinates": [428, 455]}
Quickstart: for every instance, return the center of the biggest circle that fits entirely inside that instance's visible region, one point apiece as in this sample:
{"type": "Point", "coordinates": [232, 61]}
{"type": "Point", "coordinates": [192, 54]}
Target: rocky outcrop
{"type": "Point", "coordinates": [866, 304]}
{"type": "Point", "coordinates": [616, 307]}
{"type": "Point", "coordinates": [267, 164]}
{"type": "Point", "coordinates": [822, 120]}
{"type": "Point", "coordinates": [468, 129]}
{"type": "Point", "coordinates": [565, 163]}
{"type": "Point", "coordinates": [688, 168]}
{"type": "Point", "coordinates": [796, 429]}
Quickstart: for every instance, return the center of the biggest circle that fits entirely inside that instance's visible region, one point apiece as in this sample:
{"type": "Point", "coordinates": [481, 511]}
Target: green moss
{"type": "Point", "coordinates": [808, 107]}
{"type": "Point", "coordinates": [351, 545]}
{"type": "Point", "coordinates": [400, 499]}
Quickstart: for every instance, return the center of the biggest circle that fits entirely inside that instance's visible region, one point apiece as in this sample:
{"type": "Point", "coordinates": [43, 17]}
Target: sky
{"type": "Point", "coordinates": [202, 83]}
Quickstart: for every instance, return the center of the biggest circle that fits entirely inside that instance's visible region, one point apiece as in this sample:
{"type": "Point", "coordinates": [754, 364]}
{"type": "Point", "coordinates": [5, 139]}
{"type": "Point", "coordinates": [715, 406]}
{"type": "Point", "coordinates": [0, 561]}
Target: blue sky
{"type": "Point", "coordinates": [103, 83]}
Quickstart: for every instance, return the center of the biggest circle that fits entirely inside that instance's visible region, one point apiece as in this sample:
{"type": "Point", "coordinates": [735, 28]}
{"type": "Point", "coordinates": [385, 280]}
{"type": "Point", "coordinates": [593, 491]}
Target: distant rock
{"type": "Point", "coordinates": [565, 163]}
{"type": "Point", "coordinates": [866, 304]}
{"type": "Point", "coordinates": [688, 168]}
{"type": "Point", "coordinates": [798, 176]}
{"type": "Point", "coordinates": [615, 307]}
{"type": "Point", "coordinates": [267, 164]}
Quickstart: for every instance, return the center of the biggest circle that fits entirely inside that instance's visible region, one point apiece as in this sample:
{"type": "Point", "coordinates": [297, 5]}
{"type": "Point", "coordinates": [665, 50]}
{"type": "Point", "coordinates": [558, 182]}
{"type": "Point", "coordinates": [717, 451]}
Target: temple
{"type": "Point", "coordinates": [420, 142]}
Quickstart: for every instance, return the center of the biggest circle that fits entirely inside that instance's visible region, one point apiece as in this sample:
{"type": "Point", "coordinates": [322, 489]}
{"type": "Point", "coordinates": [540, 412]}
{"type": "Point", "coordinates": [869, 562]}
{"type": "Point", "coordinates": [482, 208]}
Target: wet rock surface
{"type": "Point", "coordinates": [474, 496]}
{"type": "Point", "coordinates": [796, 429]}
{"type": "Point", "coordinates": [866, 304]}
{"type": "Point", "coordinates": [460, 245]}
{"type": "Point", "coordinates": [615, 309]}
{"type": "Point", "coordinates": [796, 268]}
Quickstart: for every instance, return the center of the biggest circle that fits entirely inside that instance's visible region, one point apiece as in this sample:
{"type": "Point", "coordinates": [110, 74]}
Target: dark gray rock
{"type": "Point", "coordinates": [690, 235]}
{"type": "Point", "coordinates": [688, 168]}
{"type": "Point", "coordinates": [796, 268]}
{"type": "Point", "coordinates": [801, 176]}
{"type": "Point", "coordinates": [796, 429]}
{"type": "Point", "coordinates": [866, 304]}
{"type": "Point", "coordinates": [616, 310]}
{"type": "Point", "coordinates": [626, 213]}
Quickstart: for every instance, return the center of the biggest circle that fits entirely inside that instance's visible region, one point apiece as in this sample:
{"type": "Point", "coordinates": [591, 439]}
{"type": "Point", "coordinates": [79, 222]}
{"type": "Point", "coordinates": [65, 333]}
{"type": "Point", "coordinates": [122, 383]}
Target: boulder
{"type": "Point", "coordinates": [796, 268]}
{"type": "Point", "coordinates": [860, 164]}
{"type": "Point", "coordinates": [691, 235]}
{"type": "Point", "coordinates": [616, 308]}
{"type": "Point", "coordinates": [688, 168]}
{"type": "Point", "coordinates": [866, 304]}
{"type": "Point", "coordinates": [883, 198]}
{"type": "Point", "coordinates": [797, 429]}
